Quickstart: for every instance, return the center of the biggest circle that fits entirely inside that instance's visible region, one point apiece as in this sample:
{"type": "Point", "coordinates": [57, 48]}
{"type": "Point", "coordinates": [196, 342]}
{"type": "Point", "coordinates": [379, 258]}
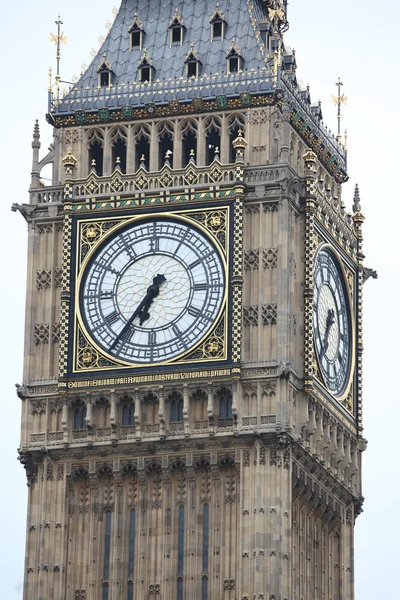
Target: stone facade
{"type": "Point", "coordinates": [257, 502]}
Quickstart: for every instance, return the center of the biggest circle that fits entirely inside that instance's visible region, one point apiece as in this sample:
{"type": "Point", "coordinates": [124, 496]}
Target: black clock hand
{"type": "Point", "coordinates": [329, 322]}
{"type": "Point", "coordinates": [142, 310]}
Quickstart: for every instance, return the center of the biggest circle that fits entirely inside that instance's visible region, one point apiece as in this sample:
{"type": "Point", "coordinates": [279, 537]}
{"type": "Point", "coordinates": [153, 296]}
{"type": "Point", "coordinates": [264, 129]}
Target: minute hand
{"type": "Point", "coordinates": [152, 292]}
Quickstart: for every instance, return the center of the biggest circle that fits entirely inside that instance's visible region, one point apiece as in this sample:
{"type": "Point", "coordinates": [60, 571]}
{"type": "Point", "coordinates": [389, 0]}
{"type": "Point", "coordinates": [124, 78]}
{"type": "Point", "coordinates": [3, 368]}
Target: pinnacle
{"type": "Point", "coordinates": [356, 200]}
{"type": "Point", "coordinates": [36, 131]}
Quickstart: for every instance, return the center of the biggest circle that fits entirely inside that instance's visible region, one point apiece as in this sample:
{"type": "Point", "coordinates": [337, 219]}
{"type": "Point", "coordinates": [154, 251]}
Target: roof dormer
{"type": "Point", "coordinates": [192, 62]}
{"type": "Point", "coordinates": [176, 28]}
{"type": "Point", "coordinates": [105, 73]}
{"type": "Point", "coordinates": [218, 24]}
{"type": "Point", "coordinates": [234, 59]}
{"type": "Point", "coordinates": [136, 34]}
{"type": "Point", "coordinates": [146, 69]}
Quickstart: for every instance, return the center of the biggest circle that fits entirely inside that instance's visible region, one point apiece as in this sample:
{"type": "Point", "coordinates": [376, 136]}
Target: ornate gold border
{"type": "Point", "coordinates": [91, 349]}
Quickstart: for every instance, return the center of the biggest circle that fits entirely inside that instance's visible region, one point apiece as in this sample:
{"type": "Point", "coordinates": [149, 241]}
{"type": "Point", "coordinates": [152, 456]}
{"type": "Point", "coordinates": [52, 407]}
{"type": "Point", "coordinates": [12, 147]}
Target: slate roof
{"type": "Point", "coordinates": [241, 29]}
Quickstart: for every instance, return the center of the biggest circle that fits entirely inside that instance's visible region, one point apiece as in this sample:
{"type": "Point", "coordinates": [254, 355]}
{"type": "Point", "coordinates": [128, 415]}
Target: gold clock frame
{"type": "Point", "coordinates": [87, 356]}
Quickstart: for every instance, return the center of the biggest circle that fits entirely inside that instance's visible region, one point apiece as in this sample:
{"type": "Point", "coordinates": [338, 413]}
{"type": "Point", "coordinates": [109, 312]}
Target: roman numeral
{"type": "Point", "coordinates": [152, 338]}
{"type": "Point", "coordinates": [111, 318]}
{"type": "Point", "coordinates": [106, 295]}
{"type": "Point", "coordinates": [127, 335]}
{"type": "Point", "coordinates": [194, 264]}
{"type": "Point", "coordinates": [193, 311]}
{"type": "Point", "coordinates": [200, 287]}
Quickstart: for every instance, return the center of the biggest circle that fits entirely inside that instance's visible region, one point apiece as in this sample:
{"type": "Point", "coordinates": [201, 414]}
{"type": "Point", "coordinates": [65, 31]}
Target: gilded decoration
{"type": "Point", "coordinates": [88, 356]}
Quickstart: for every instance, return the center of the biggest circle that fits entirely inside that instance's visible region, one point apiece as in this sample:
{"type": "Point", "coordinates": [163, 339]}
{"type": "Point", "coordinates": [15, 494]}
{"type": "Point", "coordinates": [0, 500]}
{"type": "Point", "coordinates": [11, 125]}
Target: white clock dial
{"type": "Point", "coordinates": [152, 291]}
{"type": "Point", "coordinates": [332, 324]}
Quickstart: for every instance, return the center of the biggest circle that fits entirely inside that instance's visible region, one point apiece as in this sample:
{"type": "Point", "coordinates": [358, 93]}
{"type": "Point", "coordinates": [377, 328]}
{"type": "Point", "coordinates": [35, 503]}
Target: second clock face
{"type": "Point", "coordinates": [332, 322]}
{"type": "Point", "coordinates": [152, 291]}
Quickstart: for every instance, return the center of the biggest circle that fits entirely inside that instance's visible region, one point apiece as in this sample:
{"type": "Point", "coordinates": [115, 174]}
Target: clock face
{"type": "Point", "coordinates": [152, 291]}
{"type": "Point", "coordinates": [332, 324]}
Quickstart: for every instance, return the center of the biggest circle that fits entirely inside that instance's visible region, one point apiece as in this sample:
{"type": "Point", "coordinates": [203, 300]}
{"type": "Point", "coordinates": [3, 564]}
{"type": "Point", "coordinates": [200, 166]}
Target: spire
{"type": "Point", "coordinates": [356, 200]}
{"type": "Point", "coordinates": [35, 175]}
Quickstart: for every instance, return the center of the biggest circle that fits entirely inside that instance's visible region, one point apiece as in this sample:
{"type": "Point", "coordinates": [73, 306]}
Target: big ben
{"type": "Point", "coordinates": [192, 392]}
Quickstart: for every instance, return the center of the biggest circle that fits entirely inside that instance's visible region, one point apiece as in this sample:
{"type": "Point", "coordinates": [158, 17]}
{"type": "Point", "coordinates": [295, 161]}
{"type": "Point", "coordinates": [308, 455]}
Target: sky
{"type": "Point", "coordinates": [350, 39]}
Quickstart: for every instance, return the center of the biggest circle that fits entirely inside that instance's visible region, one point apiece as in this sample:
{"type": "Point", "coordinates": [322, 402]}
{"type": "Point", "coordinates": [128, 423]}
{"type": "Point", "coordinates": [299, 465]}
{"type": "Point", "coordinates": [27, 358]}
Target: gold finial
{"type": "Point", "coordinates": [339, 100]}
{"type": "Point", "coordinates": [345, 140]}
{"type": "Point", "coordinates": [50, 79]}
{"type": "Point", "coordinates": [69, 161]}
{"type": "Point", "coordinates": [58, 39]}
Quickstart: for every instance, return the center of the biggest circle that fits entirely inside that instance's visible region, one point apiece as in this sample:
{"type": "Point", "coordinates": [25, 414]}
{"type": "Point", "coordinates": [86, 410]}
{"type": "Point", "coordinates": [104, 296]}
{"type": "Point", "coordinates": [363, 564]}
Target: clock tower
{"type": "Point", "coordinates": [192, 393]}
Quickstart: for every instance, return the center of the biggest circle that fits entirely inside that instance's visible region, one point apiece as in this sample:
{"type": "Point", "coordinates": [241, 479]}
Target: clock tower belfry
{"type": "Point", "coordinates": [192, 393]}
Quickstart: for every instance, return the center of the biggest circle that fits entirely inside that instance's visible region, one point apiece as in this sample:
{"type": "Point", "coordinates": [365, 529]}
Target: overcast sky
{"type": "Point", "coordinates": [353, 39]}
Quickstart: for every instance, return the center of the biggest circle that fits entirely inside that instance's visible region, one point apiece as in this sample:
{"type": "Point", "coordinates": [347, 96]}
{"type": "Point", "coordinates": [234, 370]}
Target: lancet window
{"type": "Point", "coordinates": [165, 137]}
{"type": "Point", "coordinates": [95, 144]}
{"type": "Point", "coordinates": [176, 414]}
{"type": "Point", "coordinates": [141, 138]}
{"type": "Point", "coordinates": [225, 404]}
{"type": "Point", "coordinates": [127, 411]}
{"type": "Point", "coordinates": [118, 138]}
{"type": "Point", "coordinates": [79, 418]}
{"type": "Point", "coordinates": [212, 129]}
{"type": "Point", "coordinates": [188, 134]}
{"type": "Point", "coordinates": [236, 123]}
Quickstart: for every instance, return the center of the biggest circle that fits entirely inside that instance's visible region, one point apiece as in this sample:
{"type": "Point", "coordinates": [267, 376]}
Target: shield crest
{"type": "Point", "coordinates": [127, 112]}
{"type": "Point", "coordinates": [80, 116]}
{"type": "Point", "coordinates": [104, 114]}
{"type": "Point", "coordinates": [222, 101]}
{"type": "Point", "coordinates": [246, 98]}
{"type": "Point", "coordinates": [151, 109]}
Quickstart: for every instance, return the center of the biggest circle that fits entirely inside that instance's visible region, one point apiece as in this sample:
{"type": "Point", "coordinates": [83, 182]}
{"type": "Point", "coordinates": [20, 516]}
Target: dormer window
{"type": "Point", "coordinates": [105, 73]}
{"type": "Point", "coordinates": [145, 69]}
{"type": "Point", "coordinates": [176, 28]}
{"type": "Point", "coordinates": [234, 60]}
{"type": "Point", "coordinates": [193, 63]}
{"type": "Point", "coordinates": [136, 34]}
{"type": "Point", "coordinates": [218, 24]}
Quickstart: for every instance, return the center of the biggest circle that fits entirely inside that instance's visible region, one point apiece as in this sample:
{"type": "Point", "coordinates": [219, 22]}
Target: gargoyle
{"type": "Point", "coordinates": [25, 209]}
{"type": "Point", "coordinates": [284, 369]}
{"type": "Point", "coordinates": [22, 391]}
{"type": "Point", "coordinates": [367, 273]}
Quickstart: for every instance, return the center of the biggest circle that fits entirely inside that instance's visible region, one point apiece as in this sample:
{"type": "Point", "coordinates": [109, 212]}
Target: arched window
{"type": "Point", "coordinates": [181, 543]}
{"type": "Point", "coordinates": [176, 409]}
{"type": "Point", "coordinates": [225, 405]}
{"type": "Point", "coordinates": [96, 158]}
{"type": "Point", "coordinates": [213, 139]}
{"type": "Point", "coordinates": [141, 137]}
{"type": "Point", "coordinates": [79, 418]}
{"type": "Point", "coordinates": [128, 414]}
{"type": "Point", "coordinates": [188, 132]}
{"type": "Point", "coordinates": [165, 137]}
{"type": "Point", "coordinates": [131, 558]}
{"type": "Point", "coordinates": [236, 124]}
{"type": "Point", "coordinates": [119, 154]}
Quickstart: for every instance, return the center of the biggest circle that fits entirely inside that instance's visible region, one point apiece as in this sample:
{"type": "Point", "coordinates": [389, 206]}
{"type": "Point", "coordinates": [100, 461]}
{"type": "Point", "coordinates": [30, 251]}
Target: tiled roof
{"type": "Point", "coordinates": [169, 61]}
